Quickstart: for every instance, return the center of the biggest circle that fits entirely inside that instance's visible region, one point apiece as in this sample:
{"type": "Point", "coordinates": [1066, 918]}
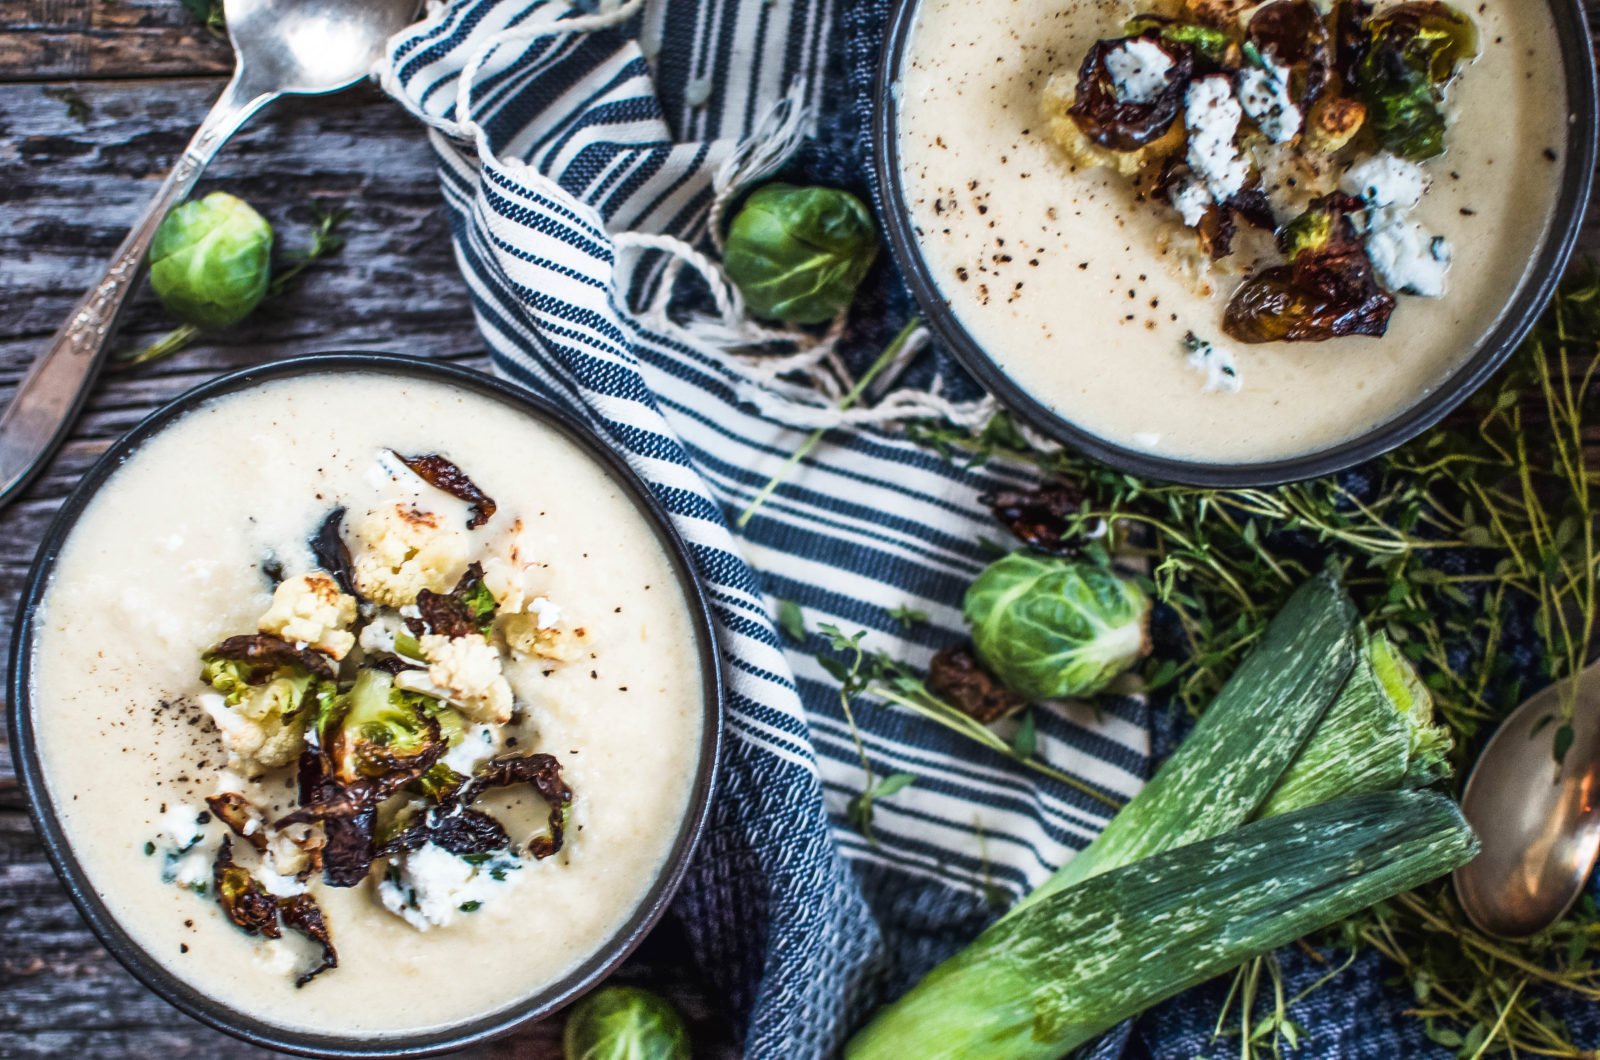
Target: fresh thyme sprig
{"type": "Point", "coordinates": [854, 676]}
{"type": "Point", "coordinates": [1458, 545]}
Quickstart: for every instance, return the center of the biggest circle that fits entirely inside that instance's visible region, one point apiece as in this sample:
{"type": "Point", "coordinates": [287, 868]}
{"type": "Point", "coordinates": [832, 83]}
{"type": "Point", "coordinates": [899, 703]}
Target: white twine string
{"type": "Point", "coordinates": [799, 388]}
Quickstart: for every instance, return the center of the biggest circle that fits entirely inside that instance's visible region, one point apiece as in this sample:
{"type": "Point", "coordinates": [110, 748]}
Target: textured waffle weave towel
{"type": "Point", "coordinates": [569, 143]}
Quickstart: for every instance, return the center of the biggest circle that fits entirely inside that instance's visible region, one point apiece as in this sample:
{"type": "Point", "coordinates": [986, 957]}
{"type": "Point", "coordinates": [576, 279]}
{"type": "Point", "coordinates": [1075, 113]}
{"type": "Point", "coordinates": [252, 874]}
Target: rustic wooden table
{"type": "Point", "coordinates": [72, 177]}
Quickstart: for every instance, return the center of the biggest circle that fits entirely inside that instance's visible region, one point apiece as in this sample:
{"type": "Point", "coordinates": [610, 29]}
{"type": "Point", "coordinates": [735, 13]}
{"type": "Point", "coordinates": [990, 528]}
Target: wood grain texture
{"type": "Point", "coordinates": [68, 191]}
{"type": "Point", "coordinates": [57, 39]}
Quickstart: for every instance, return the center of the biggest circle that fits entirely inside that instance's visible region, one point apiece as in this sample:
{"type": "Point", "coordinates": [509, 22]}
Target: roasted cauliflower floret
{"type": "Point", "coordinates": [311, 609]}
{"type": "Point", "coordinates": [1059, 94]}
{"type": "Point", "coordinates": [536, 634]}
{"type": "Point", "coordinates": [467, 672]}
{"type": "Point", "coordinates": [505, 571]}
{"type": "Point", "coordinates": [254, 730]}
{"type": "Point", "coordinates": [401, 550]}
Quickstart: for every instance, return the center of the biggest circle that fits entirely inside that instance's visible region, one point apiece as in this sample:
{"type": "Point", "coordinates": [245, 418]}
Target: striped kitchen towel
{"type": "Point", "coordinates": [583, 154]}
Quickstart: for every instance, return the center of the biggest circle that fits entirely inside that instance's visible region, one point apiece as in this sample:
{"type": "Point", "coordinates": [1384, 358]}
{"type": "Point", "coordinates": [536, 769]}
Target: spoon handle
{"type": "Point", "coordinates": [48, 399]}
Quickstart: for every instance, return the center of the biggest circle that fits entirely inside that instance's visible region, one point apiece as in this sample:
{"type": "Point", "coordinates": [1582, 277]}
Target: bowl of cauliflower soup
{"type": "Point", "coordinates": [365, 706]}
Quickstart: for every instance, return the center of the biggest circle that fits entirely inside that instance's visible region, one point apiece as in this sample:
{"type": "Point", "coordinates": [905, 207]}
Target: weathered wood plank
{"type": "Point", "coordinates": [57, 39]}
{"type": "Point", "coordinates": [70, 190]}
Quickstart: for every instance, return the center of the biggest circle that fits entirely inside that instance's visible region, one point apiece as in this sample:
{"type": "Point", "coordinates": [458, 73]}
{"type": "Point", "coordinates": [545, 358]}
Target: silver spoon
{"type": "Point", "coordinates": [1540, 824]}
{"type": "Point", "coordinates": [304, 47]}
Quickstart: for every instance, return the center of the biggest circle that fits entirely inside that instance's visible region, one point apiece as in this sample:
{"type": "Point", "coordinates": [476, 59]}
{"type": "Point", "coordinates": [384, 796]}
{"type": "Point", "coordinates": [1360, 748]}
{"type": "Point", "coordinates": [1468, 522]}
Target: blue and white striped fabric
{"type": "Point", "coordinates": [554, 134]}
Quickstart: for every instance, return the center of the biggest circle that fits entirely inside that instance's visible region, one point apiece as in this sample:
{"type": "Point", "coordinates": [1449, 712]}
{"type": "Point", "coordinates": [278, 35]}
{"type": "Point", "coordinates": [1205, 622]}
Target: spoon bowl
{"type": "Point", "coordinates": [308, 48]}
{"type": "Point", "coordinates": [1539, 821]}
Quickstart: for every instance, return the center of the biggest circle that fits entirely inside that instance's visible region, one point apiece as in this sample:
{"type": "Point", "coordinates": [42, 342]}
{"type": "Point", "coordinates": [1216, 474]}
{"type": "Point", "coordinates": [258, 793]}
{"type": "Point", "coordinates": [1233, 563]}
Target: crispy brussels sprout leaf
{"type": "Point", "coordinates": [467, 610]}
{"type": "Point", "coordinates": [332, 554]}
{"type": "Point", "coordinates": [1208, 42]}
{"type": "Point", "coordinates": [1350, 38]}
{"type": "Point", "coordinates": [1293, 33]}
{"type": "Point", "coordinates": [374, 740]}
{"type": "Point", "coordinates": [956, 676]}
{"type": "Point", "coordinates": [1435, 36]}
{"type": "Point", "coordinates": [1125, 126]}
{"type": "Point", "coordinates": [244, 900]}
{"type": "Point", "coordinates": [439, 782]}
{"type": "Point", "coordinates": [301, 913]}
{"type": "Point", "coordinates": [1411, 51]}
{"type": "Point", "coordinates": [233, 810]}
{"type": "Point", "coordinates": [1039, 516]}
{"type": "Point", "coordinates": [441, 474]}
{"type": "Point", "coordinates": [543, 772]}
{"type": "Point", "coordinates": [266, 654]}
{"type": "Point", "coordinates": [377, 733]}
{"type": "Point", "coordinates": [460, 831]}
{"type": "Point", "coordinates": [1329, 289]}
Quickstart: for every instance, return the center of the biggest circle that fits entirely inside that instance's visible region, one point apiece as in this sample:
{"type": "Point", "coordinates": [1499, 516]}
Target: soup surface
{"type": "Point", "coordinates": [168, 560]}
{"type": "Point", "coordinates": [1083, 295]}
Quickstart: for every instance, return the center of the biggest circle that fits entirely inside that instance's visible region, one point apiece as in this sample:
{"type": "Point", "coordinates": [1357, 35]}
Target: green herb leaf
{"type": "Point", "coordinates": [792, 621]}
{"type": "Point", "coordinates": [1026, 741]}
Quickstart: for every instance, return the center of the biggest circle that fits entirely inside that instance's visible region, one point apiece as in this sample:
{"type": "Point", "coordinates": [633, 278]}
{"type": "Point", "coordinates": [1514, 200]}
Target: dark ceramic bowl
{"type": "Point", "coordinates": [1520, 315]}
{"type": "Point", "coordinates": [30, 771]}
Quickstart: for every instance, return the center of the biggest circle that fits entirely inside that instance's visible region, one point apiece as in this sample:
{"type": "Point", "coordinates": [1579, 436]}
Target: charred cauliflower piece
{"type": "Point", "coordinates": [402, 550]}
{"type": "Point", "coordinates": [310, 609]}
{"type": "Point", "coordinates": [256, 732]}
{"type": "Point", "coordinates": [536, 635]}
{"type": "Point", "coordinates": [466, 671]}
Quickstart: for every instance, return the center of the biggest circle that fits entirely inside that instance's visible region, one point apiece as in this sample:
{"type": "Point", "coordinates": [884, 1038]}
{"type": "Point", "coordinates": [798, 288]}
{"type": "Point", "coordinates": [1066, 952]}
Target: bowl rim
{"type": "Point", "coordinates": [1522, 311]}
{"type": "Point", "coordinates": [195, 1002]}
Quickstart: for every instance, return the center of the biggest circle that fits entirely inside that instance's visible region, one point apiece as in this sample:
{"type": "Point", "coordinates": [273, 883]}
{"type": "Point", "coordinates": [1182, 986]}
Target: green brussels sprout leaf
{"type": "Point", "coordinates": [211, 260]}
{"type": "Point", "coordinates": [1049, 627]}
{"type": "Point", "coordinates": [798, 254]}
{"type": "Point", "coordinates": [1413, 50]}
{"type": "Point", "coordinates": [625, 1023]}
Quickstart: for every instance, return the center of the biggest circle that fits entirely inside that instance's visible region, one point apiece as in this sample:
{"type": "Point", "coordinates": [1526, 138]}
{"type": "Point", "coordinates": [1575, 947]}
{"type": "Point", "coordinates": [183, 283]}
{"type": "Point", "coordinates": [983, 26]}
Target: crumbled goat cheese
{"type": "Point", "coordinates": [1264, 96]}
{"type": "Point", "coordinates": [1385, 180]}
{"type": "Point", "coordinates": [401, 550]}
{"type": "Point", "coordinates": [469, 669]}
{"type": "Point", "coordinates": [378, 636]}
{"type": "Point", "coordinates": [1190, 198]}
{"type": "Point", "coordinates": [1215, 363]}
{"type": "Point", "coordinates": [477, 745]}
{"type": "Point", "coordinates": [178, 838]}
{"type": "Point", "coordinates": [275, 884]}
{"type": "Point", "coordinates": [388, 470]}
{"type": "Point", "coordinates": [1212, 116]}
{"type": "Point", "coordinates": [545, 613]}
{"type": "Point", "coordinates": [429, 886]}
{"type": "Point", "coordinates": [312, 609]}
{"type": "Point", "coordinates": [1139, 70]}
{"type": "Point", "coordinates": [179, 827]}
{"type": "Point", "coordinates": [1406, 257]}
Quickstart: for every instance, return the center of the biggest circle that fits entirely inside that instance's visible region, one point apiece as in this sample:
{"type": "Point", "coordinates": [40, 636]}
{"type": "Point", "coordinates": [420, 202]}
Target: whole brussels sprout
{"type": "Point", "coordinates": [798, 254]}
{"type": "Point", "coordinates": [211, 260]}
{"type": "Point", "coordinates": [625, 1023]}
{"type": "Point", "coordinates": [1049, 627]}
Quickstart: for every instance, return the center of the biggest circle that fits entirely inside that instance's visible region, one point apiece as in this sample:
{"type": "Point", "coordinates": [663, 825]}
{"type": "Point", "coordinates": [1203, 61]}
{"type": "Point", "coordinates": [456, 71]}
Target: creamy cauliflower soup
{"type": "Point", "coordinates": [376, 663]}
{"type": "Point", "coordinates": [1088, 288]}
